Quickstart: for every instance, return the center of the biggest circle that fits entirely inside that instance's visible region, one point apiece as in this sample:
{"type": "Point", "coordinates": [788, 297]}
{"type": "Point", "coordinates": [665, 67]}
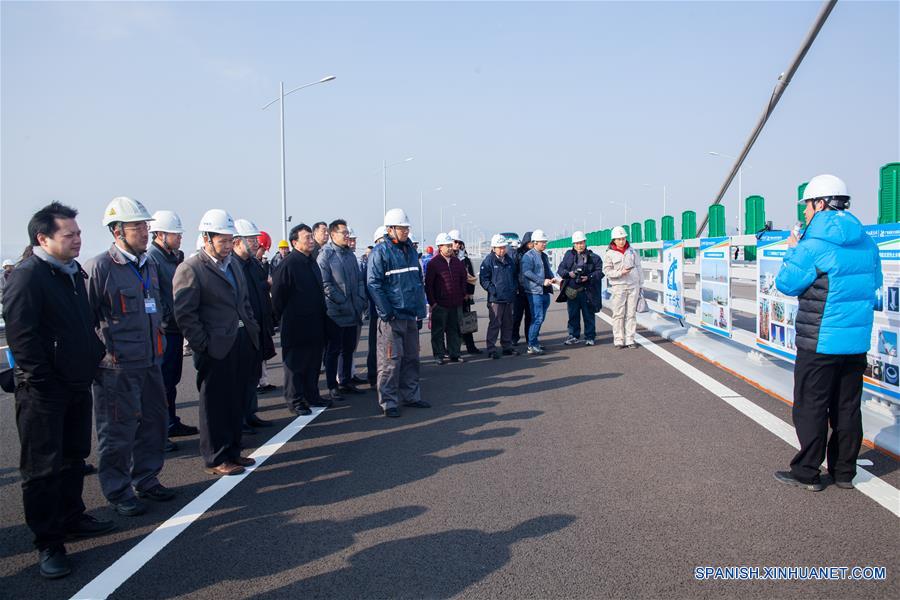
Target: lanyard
{"type": "Point", "coordinates": [144, 282]}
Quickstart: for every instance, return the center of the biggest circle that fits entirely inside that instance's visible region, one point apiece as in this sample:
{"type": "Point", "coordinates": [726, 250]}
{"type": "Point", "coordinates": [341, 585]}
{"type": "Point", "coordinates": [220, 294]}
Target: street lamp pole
{"type": "Point", "coordinates": [442, 216]}
{"type": "Point", "coordinates": [384, 168]}
{"type": "Point", "coordinates": [280, 100]}
{"type": "Point", "coordinates": [422, 209]}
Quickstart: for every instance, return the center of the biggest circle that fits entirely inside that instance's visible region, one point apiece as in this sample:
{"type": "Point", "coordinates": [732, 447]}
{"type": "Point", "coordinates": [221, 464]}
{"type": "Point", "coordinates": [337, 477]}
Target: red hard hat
{"type": "Point", "coordinates": [265, 240]}
{"type": "Point", "coordinates": [430, 249]}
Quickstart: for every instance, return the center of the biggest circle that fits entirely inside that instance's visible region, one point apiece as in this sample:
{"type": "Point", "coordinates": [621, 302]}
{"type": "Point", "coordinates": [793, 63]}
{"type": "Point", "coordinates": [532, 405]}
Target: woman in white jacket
{"type": "Point", "coordinates": [622, 267]}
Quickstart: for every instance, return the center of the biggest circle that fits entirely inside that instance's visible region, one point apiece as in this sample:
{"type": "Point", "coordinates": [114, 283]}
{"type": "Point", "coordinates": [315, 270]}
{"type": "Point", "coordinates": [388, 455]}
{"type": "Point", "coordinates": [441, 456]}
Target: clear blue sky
{"type": "Point", "coordinates": [526, 114]}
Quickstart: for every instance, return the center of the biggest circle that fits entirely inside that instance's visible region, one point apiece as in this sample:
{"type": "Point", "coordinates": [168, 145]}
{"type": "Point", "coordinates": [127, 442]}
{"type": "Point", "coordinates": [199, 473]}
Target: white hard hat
{"type": "Point", "coordinates": [352, 234]}
{"type": "Point", "coordinates": [578, 236]}
{"type": "Point", "coordinates": [454, 234]}
{"type": "Point", "coordinates": [216, 220]}
{"type": "Point", "coordinates": [396, 217]}
{"type": "Point", "coordinates": [619, 232]}
{"type": "Point", "coordinates": [825, 187]}
{"type": "Point", "coordinates": [498, 240]}
{"type": "Point", "coordinates": [379, 233]}
{"type": "Point", "coordinates": [8, 263]}
{"type": "Point", "coordinates": [123, 209]}
{"type": "Point", "coordinates": [538, 235]}
{"type": "Point", "coordinates": [443, 239]}
{"type": "Point", "coordinates": [200, 242]}
{"type": "Point", "coordinates": [246, 228]}
{"type": "Point", "coordinates": [166, 221]}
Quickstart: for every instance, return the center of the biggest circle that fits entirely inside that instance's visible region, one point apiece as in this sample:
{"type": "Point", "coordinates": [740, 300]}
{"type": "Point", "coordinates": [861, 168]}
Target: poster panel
{"type": "Point", "coordinates": [715, 285]}
{"type": "Point", "coordinates": [673, 267]}
{"type": "Point", "coordinates": [776, 314]}
{"type": "Point", "coordinates": [883, 367]}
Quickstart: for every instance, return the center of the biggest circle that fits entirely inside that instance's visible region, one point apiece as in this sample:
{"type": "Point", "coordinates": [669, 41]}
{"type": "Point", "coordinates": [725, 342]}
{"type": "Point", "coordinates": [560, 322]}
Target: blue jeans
{"type": "Point", "coordinates": [539, 305]}
{"type": "Point", "coordinates": [579, 309]}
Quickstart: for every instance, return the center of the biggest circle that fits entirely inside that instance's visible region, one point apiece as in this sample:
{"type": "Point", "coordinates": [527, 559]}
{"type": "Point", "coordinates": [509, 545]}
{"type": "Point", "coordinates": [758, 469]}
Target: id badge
{"type": "Point", "coordinates": [149, 305]}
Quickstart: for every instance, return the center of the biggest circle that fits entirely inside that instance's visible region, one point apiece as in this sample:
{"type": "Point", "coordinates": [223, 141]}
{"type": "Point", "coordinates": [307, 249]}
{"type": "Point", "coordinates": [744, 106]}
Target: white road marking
{"type": "Point", "coordinates": [875, 488]}
{"type": "Point", "coordinates": [118, 573]}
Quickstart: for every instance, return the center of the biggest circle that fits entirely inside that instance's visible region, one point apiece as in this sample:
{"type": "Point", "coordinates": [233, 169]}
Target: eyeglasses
{"type": "Point", "coordinates": [142, 226]}
{"type": "Point", "coordinates": [343, 232]}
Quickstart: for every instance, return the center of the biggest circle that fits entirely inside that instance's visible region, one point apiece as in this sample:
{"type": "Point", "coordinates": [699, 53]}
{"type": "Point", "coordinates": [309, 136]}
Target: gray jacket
{"type": "Point", "coordinates": [208, 309]}
{"type": "Point", "coordinates": [166, 263]}
{"type": "Point", "coordinates": [117, 289]}
{"type": "Point", "coordinates": [345, 289]}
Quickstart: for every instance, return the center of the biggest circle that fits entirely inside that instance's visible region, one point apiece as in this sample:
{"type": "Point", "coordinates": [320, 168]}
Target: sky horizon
{"type": "Point", "coordinates": [526, 115]}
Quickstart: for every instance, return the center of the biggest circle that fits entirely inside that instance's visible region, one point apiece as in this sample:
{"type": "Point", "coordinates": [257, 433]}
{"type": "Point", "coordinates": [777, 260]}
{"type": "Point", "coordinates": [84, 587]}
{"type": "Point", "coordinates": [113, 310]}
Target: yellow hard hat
{"type": "Point", "coordinates": [283, 244]}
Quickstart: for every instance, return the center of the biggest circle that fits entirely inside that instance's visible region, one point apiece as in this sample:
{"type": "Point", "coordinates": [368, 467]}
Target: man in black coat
{"type": "Point", "coordinates": [299, 305]}
{"type": "Point", "coordinates": [49, 327]}
{"type": "Point", "coordinates": [581, 271]}
{"type": "Point", "coordinates": [460, 248]}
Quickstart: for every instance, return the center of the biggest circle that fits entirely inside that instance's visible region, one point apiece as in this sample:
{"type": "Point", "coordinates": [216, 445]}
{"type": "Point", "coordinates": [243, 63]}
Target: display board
{"type": "Point", "coordinates": [776, 314]}
{"type": "Point", "coordinates": [673, 269]}
{"type": "Point", "coordinates": [882, 374]}
{"type": "Point", "coordinates": [715, 285]}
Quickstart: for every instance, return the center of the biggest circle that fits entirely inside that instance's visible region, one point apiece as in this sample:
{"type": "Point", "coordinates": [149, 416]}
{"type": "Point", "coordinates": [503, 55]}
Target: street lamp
{"type": "Point", "coordinates": [384, 168]}
{"type": "Point", "coordinates": [648, 185]}
{"type": "Point", "coordinates": [453, 220]}
{"type": "Point", "coordinates": [740, 206]}
{"type": "Point", "coordinates": [280, 100]}
{"type": "Point", "coordinates": [624, 205]}
{"type": "Point", "coordinates": [422, 209]}
{"type": "Point", "coordinates": [442, 216]}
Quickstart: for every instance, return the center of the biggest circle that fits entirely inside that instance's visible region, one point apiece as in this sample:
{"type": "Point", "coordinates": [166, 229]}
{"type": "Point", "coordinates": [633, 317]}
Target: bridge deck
{"type": "Point", "coordinates": [587, 472]}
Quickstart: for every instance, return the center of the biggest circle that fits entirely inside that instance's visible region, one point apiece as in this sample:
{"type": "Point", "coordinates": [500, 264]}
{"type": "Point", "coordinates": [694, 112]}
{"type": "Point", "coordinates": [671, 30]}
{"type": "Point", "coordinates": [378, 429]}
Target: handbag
{"type": "Point", "coordinates": [468, 322]}
{"type": "Point", "coordinates": [641, 306]}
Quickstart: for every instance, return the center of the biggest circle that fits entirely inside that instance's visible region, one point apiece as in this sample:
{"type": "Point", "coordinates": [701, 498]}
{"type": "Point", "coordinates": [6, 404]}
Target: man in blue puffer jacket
{"type": "Point", "coordinates": [834, 269]}
{"type": "Point", "coordinates": [394, 280]}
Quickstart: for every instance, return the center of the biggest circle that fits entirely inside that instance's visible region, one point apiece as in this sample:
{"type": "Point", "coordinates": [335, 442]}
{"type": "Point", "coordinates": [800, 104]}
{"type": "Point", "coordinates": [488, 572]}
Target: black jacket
{"type": "Point", "coordinates": [258, 293]}
{"type": "Point", "coordinates": [166, 264]}
{"type": "Point", "coordinates": [298, 301]}
{"type": "Point", "coordinates": [49, 326]}
{"type": "Point", "coordinates": [592, 269]}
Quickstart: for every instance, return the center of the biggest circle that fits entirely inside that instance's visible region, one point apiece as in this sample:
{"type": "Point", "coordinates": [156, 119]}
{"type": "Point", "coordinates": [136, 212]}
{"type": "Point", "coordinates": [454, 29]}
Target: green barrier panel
{"type": "Point", "coordinates": [717, 220]}
{"type": "Point", "coordinates": [800, 207]}
{"type": "Point", "coordinates": [635, 236]}
{"type": "Point", "coordinates": [667, 225]}
{"type": "Point", "coordinates": [689, 231]}
{"type": "Point", "coordinates": [754, 221]}
{"type": "Point", "coordinates": [650, 236]}
{"type": "Point", "coordinates": [889, 194]}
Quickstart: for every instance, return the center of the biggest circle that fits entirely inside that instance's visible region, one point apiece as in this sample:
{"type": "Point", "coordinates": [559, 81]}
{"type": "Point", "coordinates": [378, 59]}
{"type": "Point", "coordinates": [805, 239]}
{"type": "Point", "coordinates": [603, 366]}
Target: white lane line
{"type": "Point", "coordinates": [875, 488]}
{"type": "Point", "coordinates": [116, 574]}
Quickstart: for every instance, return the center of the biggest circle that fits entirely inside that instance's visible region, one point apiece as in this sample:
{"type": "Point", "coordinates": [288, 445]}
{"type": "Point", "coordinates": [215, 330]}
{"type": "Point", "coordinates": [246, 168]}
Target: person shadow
{"type": "Point", "coordinates": [437, 565]}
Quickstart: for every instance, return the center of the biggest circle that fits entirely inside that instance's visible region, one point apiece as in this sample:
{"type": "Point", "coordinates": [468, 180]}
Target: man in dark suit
{"type": "Point", "coordinates": [213, 311]}
{"type": "Point", "coordinates": [299, 304]}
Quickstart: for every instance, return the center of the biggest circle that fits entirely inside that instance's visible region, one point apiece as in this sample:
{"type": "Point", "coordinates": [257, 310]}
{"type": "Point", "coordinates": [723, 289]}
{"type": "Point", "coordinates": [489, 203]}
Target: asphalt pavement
{"type": "Point", "coordinates": [582, 473]}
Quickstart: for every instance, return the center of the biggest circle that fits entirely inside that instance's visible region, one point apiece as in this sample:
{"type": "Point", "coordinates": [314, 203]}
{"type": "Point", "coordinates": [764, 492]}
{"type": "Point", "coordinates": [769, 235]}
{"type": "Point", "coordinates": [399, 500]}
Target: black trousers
{"type": "Point", "coordinates": [339, 351]}
{"type": "Point", "coordinates": [445, 326]}
{"type": "Point", "coordinates": [54, 426]}
{"type": "Point", "coordinates": [171, 367]}
{"type": "Point", "coordinates": [827, 390]}
{"type": "Point", "coordinates": [301, 374]}
{"type": "Point", "coordinates": [520, 310]}
{"type": "Point", "coordinates": [372, 355]}
{"type": "Point", "coordinates": [223, 385]}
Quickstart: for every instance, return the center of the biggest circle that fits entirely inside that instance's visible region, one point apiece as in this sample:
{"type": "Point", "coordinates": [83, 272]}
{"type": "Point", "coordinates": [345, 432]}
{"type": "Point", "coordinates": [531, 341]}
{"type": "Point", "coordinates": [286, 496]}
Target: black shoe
{"type": "Point", "coordinates": [515, 342]}
{"type": "Point", "coordinates": [333, 395]}
{"type": "Point", "coordinates": [844, 485]}
{"type": "Point", "coordinates": [89, 468]}
{"type": "Point", "coordinates": [439, 360]}
{"type": "Point", "coordinates": [247, 430]}
{"type": "Point", "coordinates": [458, 359]}
{"type": "Point", "coordinates": [349, 388]}
{"type": "Point", "coordinates": [170, 446]}
{"type": "Point", "coordinates": [786, 477]}
{"type": "Point", "coordinates": [511, 352]}
{"type": "Point", "coordinates": [54, 563]}
{"type": "Point", "coordinates": [262, 389]}
{"type": "Point", "coordinates": [358, 380]}
{"type": "Point", "coordinates": [181, 430]}
{"type": "Point", "coordinates": [474, 351]}
{"type": "Point", "coordinates": [373, 382]}
{"type": "Point", "coordinates": [158, 493]}
{"type": "Point", "coordinates": [300, 409]}
{"type": "Point", "coordinates": [129, 508]}
{"type": "Point", "coordinates": [620, 347]}
{"type": "Point", "coordinates": [632, 345]}
{"type": "Point", "coordinates": [255, 421]}
{"type": "Point", "coordinates": [87, 526]}
{"type": "Point", "coordinates": [417, 404]}
{"type": "Point", "coordinates": [495, 354]}
{"type": "Point", "coordinates": [392, 412]}
{"type": "Point", "coordinates": [323, 402]}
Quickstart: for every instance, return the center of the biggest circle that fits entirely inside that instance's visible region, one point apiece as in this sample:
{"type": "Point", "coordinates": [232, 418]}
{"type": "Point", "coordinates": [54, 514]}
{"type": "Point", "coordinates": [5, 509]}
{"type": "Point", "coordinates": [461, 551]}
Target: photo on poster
{"type": "Point", "coordinates": [790, 341]}
{"type": "Point", "coordinates": [716, 293]}
{"type": "Point", "coordinates": [791, 310]}
{"type": "Point", "coordinates": [893, 299]}
{"type": "Point", "coordinates": [714, 271]}
{"type": "Point", "coordinates": [892, 375]}
{"type": "Point", "coordinates": [768, 271]}
{"type": "Point", "coordinates": [777, 334]}
{"type": "Point", "coordinates": [778, 311]}
{"type": "Point", "coordinates": [763, 318]}
{"type": "Point", "coordinates": [887, 342]}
